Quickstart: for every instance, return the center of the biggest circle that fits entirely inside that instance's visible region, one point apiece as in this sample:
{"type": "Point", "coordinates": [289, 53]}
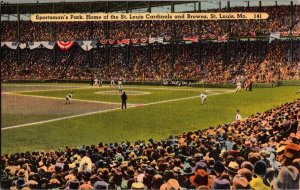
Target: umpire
{"type": "Point", "coordinates": [124, 99]}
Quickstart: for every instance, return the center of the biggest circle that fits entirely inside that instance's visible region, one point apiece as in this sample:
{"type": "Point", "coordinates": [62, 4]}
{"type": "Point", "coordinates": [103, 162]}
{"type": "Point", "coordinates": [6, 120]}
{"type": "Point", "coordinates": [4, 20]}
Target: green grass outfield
{"type": "Point", "coordinates": [157, 121]}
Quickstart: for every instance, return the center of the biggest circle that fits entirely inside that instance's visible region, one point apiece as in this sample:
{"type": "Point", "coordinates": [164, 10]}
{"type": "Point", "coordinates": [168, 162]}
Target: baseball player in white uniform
{"type": "Point", "coordinates": [203, 98]}
{"type": "Point", "coordinates": [238, 86]}
{"type": "Point", "coordinates": [120, 86]}
{"type": "Point", "coordinates": [112, 83]}
{"type": "Point", "coordinates": [238, 115]}
{"type": "Point", "coordinates": [69, 98]}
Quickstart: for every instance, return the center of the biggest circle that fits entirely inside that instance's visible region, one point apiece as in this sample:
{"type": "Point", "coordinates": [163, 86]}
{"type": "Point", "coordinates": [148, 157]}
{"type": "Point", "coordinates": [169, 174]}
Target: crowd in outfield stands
{"type": "Point", "coordinates": [259, 152]}
{"type": "Point", "coordinates": [210, 62]}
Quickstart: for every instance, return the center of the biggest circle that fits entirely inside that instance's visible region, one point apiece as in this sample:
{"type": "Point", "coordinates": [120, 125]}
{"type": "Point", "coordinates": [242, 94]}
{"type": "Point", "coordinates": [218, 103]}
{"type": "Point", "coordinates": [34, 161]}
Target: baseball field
{"type": "Point", "coordinates": [35, 116]}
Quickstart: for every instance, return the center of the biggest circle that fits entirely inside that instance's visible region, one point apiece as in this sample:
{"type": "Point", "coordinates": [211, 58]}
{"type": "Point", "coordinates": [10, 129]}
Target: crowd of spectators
{"type": "Point", "coordinates": [279, 21]}
{"type": "Point", "coordinates": [208, 62]}
{"type": "Point", "coordinates": [259, 152]}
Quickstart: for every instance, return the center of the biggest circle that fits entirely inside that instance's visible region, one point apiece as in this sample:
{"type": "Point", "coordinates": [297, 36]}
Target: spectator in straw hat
{"type": "Point", "coordinates": [138, 185]}
{"type": "Point", "coordinates": [170, 185]}
{"type": "Point", "coordinates": [240, 182]}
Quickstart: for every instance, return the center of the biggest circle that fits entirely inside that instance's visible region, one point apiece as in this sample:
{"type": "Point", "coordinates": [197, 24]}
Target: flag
{"type": "Point", "coordinates": [274, 35]}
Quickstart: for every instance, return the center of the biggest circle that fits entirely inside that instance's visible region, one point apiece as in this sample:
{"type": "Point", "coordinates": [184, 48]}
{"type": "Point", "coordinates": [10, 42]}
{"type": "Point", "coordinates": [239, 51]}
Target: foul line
{"type": "Point", "coordinates": [57, 98]}
{"type": "Point", "coordinates": [109, 110]}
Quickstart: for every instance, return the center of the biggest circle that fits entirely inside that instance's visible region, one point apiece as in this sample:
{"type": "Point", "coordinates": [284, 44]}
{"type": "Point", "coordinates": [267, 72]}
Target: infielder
{"type": "Point", "coordinates": [69, 98]}
{"type": "Point", "coordinates": [203, 98]}
{"type": "Point", "coordinates": [120, 86]}
{"type": "Point", "coordinates": [238, 86]}
{"type": "Point", "coordinates": [112, 83]}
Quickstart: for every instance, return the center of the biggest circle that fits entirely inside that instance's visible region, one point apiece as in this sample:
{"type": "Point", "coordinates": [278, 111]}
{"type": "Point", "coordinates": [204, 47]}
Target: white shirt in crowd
{"type": "Point", "coordinates": [85, 164]}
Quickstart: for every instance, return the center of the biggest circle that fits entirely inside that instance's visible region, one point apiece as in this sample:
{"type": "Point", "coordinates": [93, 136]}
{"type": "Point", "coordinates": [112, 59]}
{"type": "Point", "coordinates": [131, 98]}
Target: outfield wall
{"type": "Point", "coordinates": [160, 83]}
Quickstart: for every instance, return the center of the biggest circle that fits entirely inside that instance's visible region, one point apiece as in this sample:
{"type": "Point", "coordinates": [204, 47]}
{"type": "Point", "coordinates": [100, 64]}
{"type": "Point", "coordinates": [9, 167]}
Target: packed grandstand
{"type": "Point", "coordinates": [260, 152]}
{"type": "Point", "coordinates": [208, 51]}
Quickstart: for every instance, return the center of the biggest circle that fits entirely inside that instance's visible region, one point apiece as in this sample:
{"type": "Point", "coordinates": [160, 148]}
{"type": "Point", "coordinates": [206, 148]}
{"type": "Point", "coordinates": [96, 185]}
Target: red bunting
{"type": "Point", "coordinates": [103, 42]}
{"type": "Point", "coordinates": [204, 36]}
{"type": "Point", "coordinates": [253, 34]}
{"type": "Point", "coordinates": [192, 39]}
{"type": "Point", "coordinates": [65, 45]}
{"type": "Point", "coordinates": [144, 40]}
{"type": "Point", "coordinates": [223, 38]}
{"type": "Point", "coordinates": [296, 33]}
{"type": "Point", "coordinates": [244, 34]}
{"type": "Point", "coordinates": [134, 40]}
{"type": "Point", "coordinates": [111, 41]}
{"type": "Point", "coordinates": [212, 36]}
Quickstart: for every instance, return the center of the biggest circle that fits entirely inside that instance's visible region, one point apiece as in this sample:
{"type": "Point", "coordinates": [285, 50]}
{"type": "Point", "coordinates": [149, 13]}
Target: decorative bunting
{"type": "Point", "coordinates": [168, 38]}
{"type": "Point", "coordinates": [223, 38]}
{"type": "Point", "coordinates": [48, 45]}
{"type": "Point", "coordinates": [144, 40]}
{"type": "Point", "coordinates": [253, 34]}
{"type": "Point", "coordinates": [212, 36]}
{"type": "Point", "coordinates": [103, 42]}
{"type": "Point", "coordinates": [192, 39]}
{"type": "Point", "coordinates": [203, 36]}
{"type": "Point", "coordinates": [65, 45]}
{"type": "Point", "coordinates": [111, 41]}
{"type": "Point", "coordinates": [23, 45]}
{"type": "Point", "coordinates": [134, 40]}
{"type": "Point", "coordinates": [296, 33]}
{"type": "Point", "coordinates": [286, 33]}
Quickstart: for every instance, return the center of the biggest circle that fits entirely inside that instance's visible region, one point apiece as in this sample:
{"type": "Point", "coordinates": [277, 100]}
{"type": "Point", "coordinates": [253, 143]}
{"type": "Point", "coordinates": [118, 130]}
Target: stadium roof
{"type": "Point", "coordinates": [57, 1]}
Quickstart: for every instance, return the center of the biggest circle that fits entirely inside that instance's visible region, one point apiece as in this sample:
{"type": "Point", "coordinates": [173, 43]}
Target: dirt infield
{"type": "Point", "coordinates": [17, 88]}
{"type": "Point", "coordinates": [18, 108]}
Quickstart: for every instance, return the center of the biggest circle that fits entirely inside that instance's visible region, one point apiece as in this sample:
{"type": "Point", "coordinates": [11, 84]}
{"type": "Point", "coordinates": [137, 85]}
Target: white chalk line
{"type": "Point", "coordinates": [57, 98]}
{"type": "Point", "coordinates": [109, 110]}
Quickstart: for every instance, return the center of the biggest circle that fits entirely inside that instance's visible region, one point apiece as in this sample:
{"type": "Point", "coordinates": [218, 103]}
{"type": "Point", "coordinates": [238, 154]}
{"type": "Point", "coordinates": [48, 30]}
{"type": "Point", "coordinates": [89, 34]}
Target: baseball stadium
{"type": "Point", "coordinates": [165, 95]}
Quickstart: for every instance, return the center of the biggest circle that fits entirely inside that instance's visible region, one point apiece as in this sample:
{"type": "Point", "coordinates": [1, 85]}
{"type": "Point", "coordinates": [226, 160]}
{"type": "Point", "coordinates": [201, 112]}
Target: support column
{"type": "Point", "coordinates": [53, 36]}
{"type": "Point", "coordinates": [173, 32]}
{"type": "Point", "coordinates": [18, 33]}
